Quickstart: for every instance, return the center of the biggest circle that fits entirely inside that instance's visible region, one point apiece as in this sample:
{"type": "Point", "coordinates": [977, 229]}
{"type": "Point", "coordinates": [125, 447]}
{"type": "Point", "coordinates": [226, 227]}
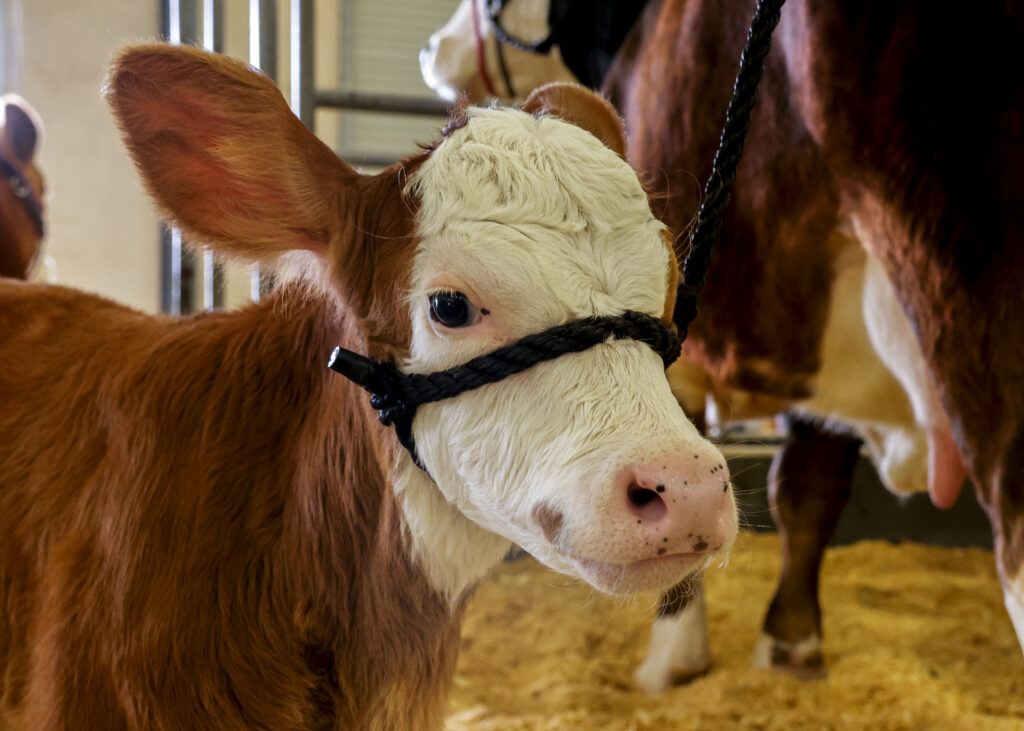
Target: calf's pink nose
{"type": "Point", "coordinates": [680, 504]}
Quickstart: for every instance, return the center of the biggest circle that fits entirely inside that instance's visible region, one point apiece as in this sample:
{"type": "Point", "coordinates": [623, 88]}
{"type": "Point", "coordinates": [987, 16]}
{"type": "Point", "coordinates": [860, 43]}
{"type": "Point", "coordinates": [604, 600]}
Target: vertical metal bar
{"type": "Point", "coordinates": [346, 56]}
{"type": "Point", "coordinates": [168, 284]}
{"type": "Point", "coordinates": [213, 40]}
{"type": "Point", "coordinates": [12, 51]}
{"type": "Point", "coordinates": [178, 281]}
{"type": "Point", "coordinates": [262, 55]}
{"type": "Point", "coordinates": [184, 28]}
{"type": "Point", "coordinates": [184, 22]}
{"type": "Point", "coordinates": [303, 52]}
{"type": "Point", "coordinates": [170, 239]}
{"type": "Point", "coordinates": [263, 36]}
{"type": "Point", "coordinates": [213, 25]}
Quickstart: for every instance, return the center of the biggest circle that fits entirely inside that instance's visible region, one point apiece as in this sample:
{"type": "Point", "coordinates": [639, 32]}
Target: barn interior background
{"type": "Point", "coordinates": [105, 237]}
{"type": "Point", "coordinates": [102, 227]}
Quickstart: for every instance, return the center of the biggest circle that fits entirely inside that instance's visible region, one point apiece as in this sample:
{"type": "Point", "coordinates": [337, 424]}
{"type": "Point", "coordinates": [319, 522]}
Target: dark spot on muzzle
{"type": "Point", "coordinates": [549, 520]}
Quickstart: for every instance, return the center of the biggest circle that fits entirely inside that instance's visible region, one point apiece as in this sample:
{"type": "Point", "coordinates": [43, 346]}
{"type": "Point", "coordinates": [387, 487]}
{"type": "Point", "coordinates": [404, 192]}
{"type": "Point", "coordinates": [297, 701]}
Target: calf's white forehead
{"type": "Point", "coordinates": [511, 196]}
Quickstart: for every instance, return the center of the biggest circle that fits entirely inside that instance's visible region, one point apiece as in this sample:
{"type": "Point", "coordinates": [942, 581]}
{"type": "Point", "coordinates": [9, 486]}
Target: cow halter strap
{"type": "Point", "coordinates": [397, 395]}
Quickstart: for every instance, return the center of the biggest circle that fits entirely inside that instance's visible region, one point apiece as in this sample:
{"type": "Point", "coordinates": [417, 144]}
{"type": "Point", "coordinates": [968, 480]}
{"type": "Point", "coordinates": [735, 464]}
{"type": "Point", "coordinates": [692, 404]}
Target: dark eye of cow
{"type": "Point", "coordinates": [453, 309]}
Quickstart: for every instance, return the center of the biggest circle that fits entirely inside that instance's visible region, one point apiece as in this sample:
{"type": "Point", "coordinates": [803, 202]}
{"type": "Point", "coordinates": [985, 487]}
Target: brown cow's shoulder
{"type": "Point", "coordinates": [232, 521]}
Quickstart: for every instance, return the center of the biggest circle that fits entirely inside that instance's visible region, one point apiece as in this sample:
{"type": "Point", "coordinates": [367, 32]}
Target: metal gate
{"type": "Point", "coordinates": [191, 282]}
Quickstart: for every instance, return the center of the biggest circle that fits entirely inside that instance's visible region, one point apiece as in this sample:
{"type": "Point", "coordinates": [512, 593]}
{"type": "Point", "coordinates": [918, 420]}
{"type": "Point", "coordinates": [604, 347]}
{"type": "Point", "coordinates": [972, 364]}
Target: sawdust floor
{"type": "Point", "coordinates": [916, 637]}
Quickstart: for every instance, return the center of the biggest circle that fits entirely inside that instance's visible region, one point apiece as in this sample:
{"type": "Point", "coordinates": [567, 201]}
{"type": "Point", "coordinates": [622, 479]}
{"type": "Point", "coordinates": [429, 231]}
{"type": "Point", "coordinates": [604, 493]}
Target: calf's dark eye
{"type": "Point", "coordinates": [453, 309]}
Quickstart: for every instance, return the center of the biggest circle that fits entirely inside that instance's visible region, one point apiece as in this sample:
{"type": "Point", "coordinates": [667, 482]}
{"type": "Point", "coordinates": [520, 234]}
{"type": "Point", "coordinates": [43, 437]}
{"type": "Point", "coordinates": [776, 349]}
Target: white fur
{"type": "Point", "coordinates": [449, 61]}
{"type": "Point", "coordinates": [798, 652]}
{"type": "Point", "coordinates": [893, 337]}
{"type": "Point", "coordinates": [679, 648]}
{"type": "Point", "coordinates": [509, 211]}
{"type": "Point", "coordinates": [855, 386]}
{"type": "Point", "coordinates": [1013, 596]}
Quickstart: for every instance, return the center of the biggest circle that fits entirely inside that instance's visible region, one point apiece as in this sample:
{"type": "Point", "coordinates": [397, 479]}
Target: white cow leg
{"type": "Point", "coordinates": [1010, 562]}
{"type": "Point", "coordinates": [679, 649]}
{"type": "Point", "coordinates": [1013, 595]}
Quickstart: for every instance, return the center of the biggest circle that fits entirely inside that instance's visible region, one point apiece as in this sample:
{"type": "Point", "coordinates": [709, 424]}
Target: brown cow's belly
{"type": "Point", "coordinates": [852, 387]}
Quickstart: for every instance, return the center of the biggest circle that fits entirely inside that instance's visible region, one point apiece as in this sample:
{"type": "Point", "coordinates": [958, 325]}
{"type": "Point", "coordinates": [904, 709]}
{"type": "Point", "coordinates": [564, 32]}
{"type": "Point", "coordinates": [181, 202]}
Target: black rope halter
{"type": "Point", "coordinates": [541, 47]}
{"type": "Point", "coordinates": [21, 189]}
{"type": "Point", "coordinates": [397, 395]}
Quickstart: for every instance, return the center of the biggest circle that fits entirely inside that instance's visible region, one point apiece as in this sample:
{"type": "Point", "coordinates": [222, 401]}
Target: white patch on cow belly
{"type": "Point", "coordinates": [855, 387]}
{"type": "Point", "coordinates": [679, 648]}
{"type": "Point", "coordinates": [454, 552]}
{"type": "Point", "coordinates": [1013, 596]}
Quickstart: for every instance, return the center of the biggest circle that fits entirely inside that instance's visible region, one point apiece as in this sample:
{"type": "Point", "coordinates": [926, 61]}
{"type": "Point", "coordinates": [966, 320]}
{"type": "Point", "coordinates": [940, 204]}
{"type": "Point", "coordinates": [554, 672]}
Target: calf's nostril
{"type": "Point", "coordinates": [646, 504]}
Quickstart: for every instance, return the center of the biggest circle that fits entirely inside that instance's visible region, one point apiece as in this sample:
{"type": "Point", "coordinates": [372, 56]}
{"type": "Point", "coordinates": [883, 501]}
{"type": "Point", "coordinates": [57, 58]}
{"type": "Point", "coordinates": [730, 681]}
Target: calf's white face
{"type": "Point", "coordinates": [586, 461]}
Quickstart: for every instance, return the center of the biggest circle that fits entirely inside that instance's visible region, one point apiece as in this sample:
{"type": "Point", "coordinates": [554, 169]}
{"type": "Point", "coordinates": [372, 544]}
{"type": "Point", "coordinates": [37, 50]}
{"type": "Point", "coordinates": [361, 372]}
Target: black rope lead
{"type": "Point", "coordinates": [397, 395]}
{"type": "Point", "coordinates": [718, 188]}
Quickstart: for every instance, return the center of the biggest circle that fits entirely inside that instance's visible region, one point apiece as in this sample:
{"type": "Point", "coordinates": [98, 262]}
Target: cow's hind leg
{"type": "Point", "coordinates": [679, 649]}
{"type": "Point", "coordinates": [808, 486]}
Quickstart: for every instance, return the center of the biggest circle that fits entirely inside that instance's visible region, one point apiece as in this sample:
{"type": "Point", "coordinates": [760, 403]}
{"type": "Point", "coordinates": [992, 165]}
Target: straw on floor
{"type": "Point", "coordinates": [916, 638]}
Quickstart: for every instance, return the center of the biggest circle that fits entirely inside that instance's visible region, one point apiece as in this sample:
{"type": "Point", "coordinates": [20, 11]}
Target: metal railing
{"type": "Point", "coordinates": [189, 284]}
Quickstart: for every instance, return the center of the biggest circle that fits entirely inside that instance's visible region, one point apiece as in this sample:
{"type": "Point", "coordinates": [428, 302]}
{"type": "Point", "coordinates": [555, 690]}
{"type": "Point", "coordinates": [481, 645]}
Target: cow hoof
{"type": "Point", "coordinates": [801, 659]}
{"type": "Point", "coordinates": [656, 677]}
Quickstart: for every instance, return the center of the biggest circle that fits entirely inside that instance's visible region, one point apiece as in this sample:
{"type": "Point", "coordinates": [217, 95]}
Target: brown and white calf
{"type": "Point", "coordinates": [22, 189]}
{"type": "Point", "coordinates": [201, 526]}
{"type": "Point", "coordinates": [860, 277]}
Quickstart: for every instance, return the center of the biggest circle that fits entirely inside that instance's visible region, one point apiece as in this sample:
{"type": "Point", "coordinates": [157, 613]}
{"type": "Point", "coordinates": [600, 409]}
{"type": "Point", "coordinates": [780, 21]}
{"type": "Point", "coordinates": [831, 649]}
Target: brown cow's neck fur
{"type": "Point", "coordinates": [753, 297]}
{"type": "Point", "coordinates": [300, 582]}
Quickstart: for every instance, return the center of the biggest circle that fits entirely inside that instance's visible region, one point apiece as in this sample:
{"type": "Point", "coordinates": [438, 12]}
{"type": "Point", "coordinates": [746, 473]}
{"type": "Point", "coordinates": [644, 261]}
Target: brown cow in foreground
{"type": "Point", "coordinates": [203, 527]}
{"type": "Point", "coordinates": [891, 129]}
{"type": "Point", "coordinates": [21, 192]}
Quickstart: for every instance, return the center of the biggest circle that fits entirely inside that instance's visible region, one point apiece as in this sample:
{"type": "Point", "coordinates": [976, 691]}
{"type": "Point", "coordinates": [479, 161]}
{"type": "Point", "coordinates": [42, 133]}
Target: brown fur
{"type": "Point", "coordinates": [903, 116]}
{"type": "Point", "coordinates": [197, 525]}
{"type": "Point", "coordinates": [19, 240]}
{"type": "Point", "coordinates": [672, 92]}
{"type": "Point", "coordinates": [188, 539]}
{"type": "Point", "coordinates": [941, 204]}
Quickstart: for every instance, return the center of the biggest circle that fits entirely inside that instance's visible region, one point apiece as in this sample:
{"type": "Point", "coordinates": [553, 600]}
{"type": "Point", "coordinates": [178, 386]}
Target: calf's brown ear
{"type": "Point", "coordinates": [582, 107]}
{"type": "Point", "coordinates": [223, 155]}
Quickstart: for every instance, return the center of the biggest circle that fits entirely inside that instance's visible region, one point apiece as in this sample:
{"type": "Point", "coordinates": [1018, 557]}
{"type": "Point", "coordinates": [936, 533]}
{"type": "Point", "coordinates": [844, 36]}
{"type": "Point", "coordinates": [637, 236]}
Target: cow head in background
{"type": "Point", "coordinates": [21, 192]}
{"type": "Point", "coordinates": [465, 57]}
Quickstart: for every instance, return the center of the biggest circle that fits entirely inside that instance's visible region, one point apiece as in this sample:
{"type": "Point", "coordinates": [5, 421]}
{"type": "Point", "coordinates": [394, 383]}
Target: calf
{"type": "Point", "coordinates": [21, 198]}
{"type": "Point", "coordinates": [202, 527]}
{"type": "Point", "coordinates": [850, 213]}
